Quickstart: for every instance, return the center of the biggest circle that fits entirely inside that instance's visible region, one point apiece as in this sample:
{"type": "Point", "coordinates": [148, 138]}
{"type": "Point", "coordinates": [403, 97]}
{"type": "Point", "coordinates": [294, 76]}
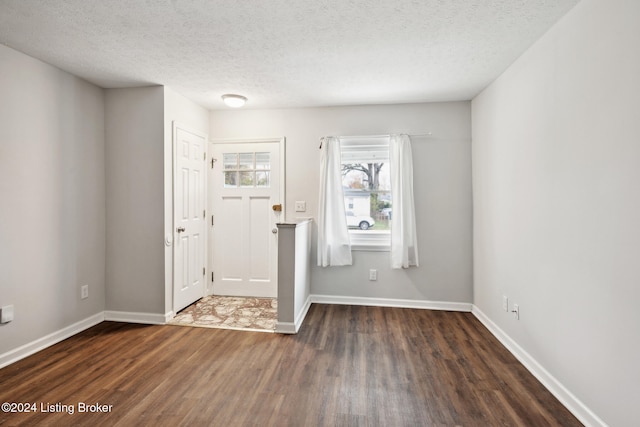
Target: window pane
{"type": "Point", "coordinates": [367, 193]}
{"type": "Point", "coordinates": [263, 161]}
{"type": "Point", "coordinates": [230, 161]}
{"type": "Point", "coordinates": [246, 160]}
{"type": "Point", "coordinates": [230, 179]}
{"type": "Point", "coordinates": [381, 205]}
{"type": "Point", "coordinates": [262, 178]}
{"type": "Point", "coordinates": [246, 179]}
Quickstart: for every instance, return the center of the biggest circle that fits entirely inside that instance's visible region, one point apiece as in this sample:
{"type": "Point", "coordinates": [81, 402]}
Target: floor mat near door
{"type": "Point", "coordinates": [253, 314]}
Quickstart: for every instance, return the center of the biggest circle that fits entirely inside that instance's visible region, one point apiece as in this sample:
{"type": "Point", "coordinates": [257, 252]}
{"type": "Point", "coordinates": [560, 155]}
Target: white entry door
{"type": "Point", "coordinates": [246, 195]}
{"type": "Point", "coordinates": [189, 218]}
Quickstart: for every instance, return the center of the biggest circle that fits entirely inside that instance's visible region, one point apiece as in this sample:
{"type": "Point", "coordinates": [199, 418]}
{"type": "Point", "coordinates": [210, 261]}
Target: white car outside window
{"type": "Point", "coordinates": [362, 222]}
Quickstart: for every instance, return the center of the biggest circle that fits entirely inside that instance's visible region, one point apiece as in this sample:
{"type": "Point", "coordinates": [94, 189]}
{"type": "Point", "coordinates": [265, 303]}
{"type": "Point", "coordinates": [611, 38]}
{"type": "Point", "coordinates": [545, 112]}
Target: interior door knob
{"type": "Point", "coordinates": [180, 229]}
{"type": "Point", "coordinates": [274, 231]}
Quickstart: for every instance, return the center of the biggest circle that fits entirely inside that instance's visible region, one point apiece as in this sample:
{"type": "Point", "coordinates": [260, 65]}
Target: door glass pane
{"type": "Point", "coordinates": [263, 161]}
{"type": "Point", "coordinates": [246, 179]}
{"type": "Point", "coordinates": [262, 178]}
{"type": "Point", "coordinates": [230, 179]}
{"type": "Point", "coordinates": [230, 160]}
{"type": "Point", "coordinates": [246, 160]}
{"type": "Point", "coordinates": [247, 170]}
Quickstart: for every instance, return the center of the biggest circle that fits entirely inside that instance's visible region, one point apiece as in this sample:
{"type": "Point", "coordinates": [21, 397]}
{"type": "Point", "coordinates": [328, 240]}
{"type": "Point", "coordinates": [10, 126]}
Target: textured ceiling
{"type": "Point", "coordinates": [284, 53]}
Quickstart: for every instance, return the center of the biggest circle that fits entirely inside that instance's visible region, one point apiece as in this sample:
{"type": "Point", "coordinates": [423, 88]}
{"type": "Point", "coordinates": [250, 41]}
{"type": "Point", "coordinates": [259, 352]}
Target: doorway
{"type": "Point", "coordinates": [245, 198]}
{"type": "Point", "coordinates": [189, 203]}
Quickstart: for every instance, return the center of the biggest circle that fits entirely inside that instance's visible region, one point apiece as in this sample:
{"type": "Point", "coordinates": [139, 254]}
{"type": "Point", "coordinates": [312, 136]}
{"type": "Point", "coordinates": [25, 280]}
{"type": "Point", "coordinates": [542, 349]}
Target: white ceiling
{"type": "Point", "coordinates": [284, 53]}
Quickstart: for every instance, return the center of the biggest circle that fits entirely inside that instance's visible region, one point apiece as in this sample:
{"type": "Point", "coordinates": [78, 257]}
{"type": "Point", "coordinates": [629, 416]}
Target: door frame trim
{"type": "Point", "coordinates": [282, 145]}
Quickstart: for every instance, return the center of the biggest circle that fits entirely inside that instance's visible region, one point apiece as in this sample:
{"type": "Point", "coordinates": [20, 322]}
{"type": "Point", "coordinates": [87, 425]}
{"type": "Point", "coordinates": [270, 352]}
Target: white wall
{"type": "Point", "coordinates": [195, 118]}
{"type": "Point", "coordinates": [556, 173]}
{"type": "Point", "coordinates": [139, 194]}
{"type": "Point", "coordinates": [52, 189]}
{"type": "Point", "coordinates": [442, 184]}
{"type": "Point", "coordinates": [135, 200]}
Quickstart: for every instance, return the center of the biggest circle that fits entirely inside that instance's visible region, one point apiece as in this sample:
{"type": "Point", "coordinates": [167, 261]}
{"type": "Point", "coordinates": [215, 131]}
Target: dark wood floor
{"type": "Point", "coordinates": [348, 366]}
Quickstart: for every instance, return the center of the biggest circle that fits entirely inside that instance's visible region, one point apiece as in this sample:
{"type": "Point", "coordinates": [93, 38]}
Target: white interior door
{"type": "Point", "coordinates": [189, 218]}
{"type": "Point", "coordinates": [245, 187]}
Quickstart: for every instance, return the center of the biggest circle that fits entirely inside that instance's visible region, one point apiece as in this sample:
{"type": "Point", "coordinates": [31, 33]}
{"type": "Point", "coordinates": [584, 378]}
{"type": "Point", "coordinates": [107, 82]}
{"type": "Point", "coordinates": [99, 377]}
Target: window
{"type": "Point", "coordinates": [246, 170]}
{"type": "Point", "coordinates": [366, 182]}
{"type": "Point", "coordinates": [339, 157]}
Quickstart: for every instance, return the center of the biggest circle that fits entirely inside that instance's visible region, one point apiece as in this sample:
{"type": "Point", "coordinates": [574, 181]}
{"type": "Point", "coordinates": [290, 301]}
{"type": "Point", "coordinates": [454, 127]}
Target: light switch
{"type": "Point", "coordinates": [301, 206]}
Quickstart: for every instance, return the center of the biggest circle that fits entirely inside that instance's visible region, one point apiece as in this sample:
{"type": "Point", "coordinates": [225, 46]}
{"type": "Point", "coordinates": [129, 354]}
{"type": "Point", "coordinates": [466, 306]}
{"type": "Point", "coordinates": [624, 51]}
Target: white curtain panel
{"type": "Point", "coordinates": [334, 246]}
{"type": "Point", "coordinates": [404, 241]}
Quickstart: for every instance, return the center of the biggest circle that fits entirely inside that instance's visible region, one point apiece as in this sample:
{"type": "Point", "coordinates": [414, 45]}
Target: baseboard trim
{"type": "Point", "coordinates": [571, 402]}
{"type": "Point", "coordinates": [303, 313]}
{"type": "Point", "coordinates": [388, 302]}
{"type": "Point", "coordinates": [294, 327]}
{"type": "Point", "coordinates": [49, 340]}
{"type": "Point", "coordinates": [130, 317]}
{"type": "Point", "coordinates": [286, 328]}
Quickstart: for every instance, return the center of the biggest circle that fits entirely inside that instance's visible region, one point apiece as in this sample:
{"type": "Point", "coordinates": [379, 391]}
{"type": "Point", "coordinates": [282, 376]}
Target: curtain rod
{"type": "Point", "coordinates": [417, 135]}
{"type": "Point", "coordinates": [382, 136]}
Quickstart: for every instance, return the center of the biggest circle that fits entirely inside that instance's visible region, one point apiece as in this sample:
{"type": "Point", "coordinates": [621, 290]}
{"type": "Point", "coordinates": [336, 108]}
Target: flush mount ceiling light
{"type": "Point", "coordinates": [234, 101]}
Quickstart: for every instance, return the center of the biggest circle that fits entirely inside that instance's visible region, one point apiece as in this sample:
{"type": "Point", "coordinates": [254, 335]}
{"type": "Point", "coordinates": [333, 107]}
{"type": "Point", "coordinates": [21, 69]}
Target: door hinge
{"type": "Point", "coordinates": [213, 161]}
{"type": "Point", "coordinates": [204, 272]}
{"type": "Point", "coordinates": [212, 220]}
{"type": "Point", "coordinates": [212, 276]}
{"type": "Point", "coordinates": [204, 156]}
{"type": "Point", "coordinates": [204, 214]}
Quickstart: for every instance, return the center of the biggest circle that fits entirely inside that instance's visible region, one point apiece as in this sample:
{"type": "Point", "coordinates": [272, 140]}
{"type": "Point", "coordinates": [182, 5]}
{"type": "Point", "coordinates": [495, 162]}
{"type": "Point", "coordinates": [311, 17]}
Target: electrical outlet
{"type": "Point", "coordinates": [6, 314]}
{"type": "Point", "coordinates": [516, 311]}
{"type": "Point", "coordinates": [84, 291]}
{"type": "Point", "coordinates": [373, 274]}
{"type": "Point", "coordinates": [505, 303]}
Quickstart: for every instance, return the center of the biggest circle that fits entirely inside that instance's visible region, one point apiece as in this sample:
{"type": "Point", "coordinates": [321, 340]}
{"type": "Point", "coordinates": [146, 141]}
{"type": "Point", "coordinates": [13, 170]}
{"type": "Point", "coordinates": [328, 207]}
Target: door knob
{"type": "Point", "coordinates": [180, 229]}
{"type": "Point", "coordinates": [274, 231]}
